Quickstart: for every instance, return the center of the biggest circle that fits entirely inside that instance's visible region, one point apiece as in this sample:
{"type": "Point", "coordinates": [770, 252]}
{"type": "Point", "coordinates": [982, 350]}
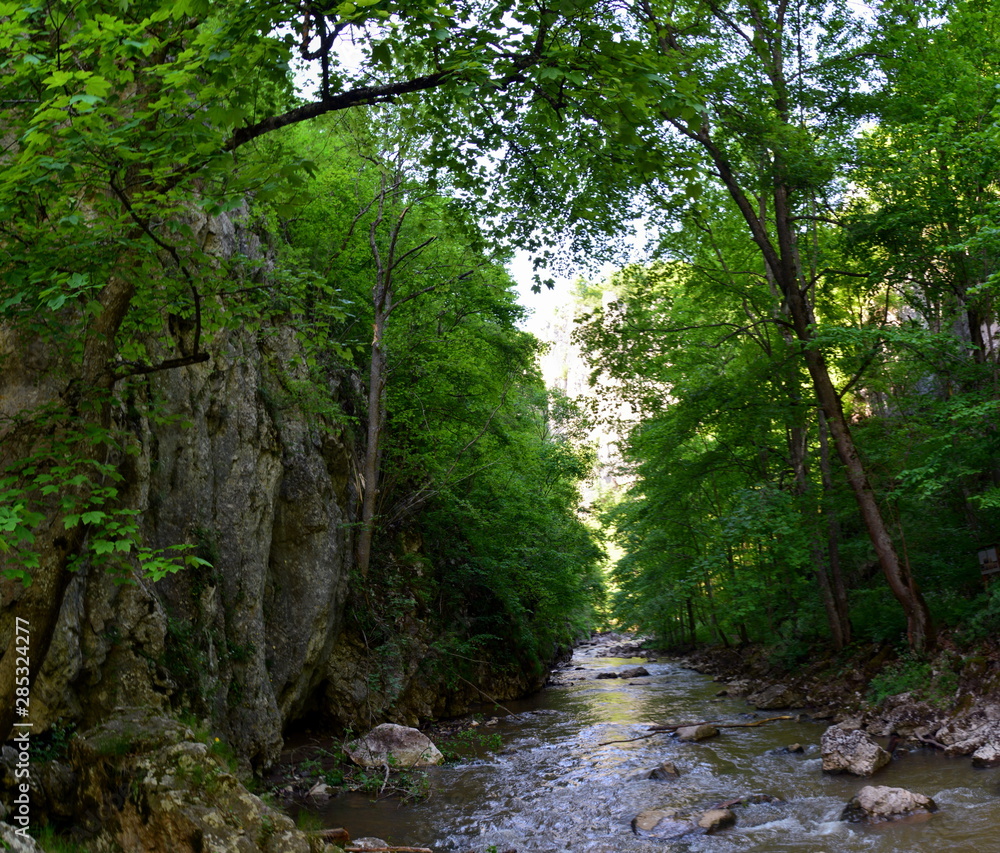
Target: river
{"type": "Point", "coordinates": [558, 785]}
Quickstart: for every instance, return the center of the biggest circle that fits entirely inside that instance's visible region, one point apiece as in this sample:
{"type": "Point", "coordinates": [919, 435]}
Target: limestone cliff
{"type": "Point", "coordinates": [229, 456]}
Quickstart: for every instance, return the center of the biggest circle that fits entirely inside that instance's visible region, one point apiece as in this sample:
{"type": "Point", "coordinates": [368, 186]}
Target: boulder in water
{"type": "Point", "coordinates": [851, 752]}
{"type": "Point", "coordinates": [715, 819]}
{"type": "Point", "coordinates": [634, 672]}
{"type": "Point", "coordinates": [988, 755]}
{"type": "Point", "coordinates": [879, 803]}
{"type": "Point", "coordinates": [695, 733]}
{"type": "Point", "coordinates": [667, 770]}
{"type": "Point", "coordinates": [663, 824]}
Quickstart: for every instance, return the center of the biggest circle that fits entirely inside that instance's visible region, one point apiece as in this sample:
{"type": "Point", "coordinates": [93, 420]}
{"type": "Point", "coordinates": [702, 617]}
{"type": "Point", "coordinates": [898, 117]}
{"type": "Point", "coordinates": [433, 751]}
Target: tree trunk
{"type": "Point", "coordinates": [837, 588]}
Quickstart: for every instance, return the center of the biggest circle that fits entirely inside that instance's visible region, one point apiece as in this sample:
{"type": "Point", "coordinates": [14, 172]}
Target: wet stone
{"type": "Point", "coordinates": [696, 733]}
{"type": "Point", "coordinates": [716, 819]}
{"type": "Point", "coordinates": [634, 672]}
{"type": "Point", "coordinates": [661, 823]}
{"type": "Point", "coordinates": [852, 752]}
{"type": "Point", "coordinates": [667, 770]}
{"type": "Point", "coordinates": [879, 803]}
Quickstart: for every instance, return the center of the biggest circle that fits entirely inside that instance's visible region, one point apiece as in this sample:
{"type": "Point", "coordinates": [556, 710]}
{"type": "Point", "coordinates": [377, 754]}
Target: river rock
{"type": "Point", "coordinates": [608, 675]}
{"type": "Point", "coordinates": [394, 745]}
{"type": "Point", "coordinates": [879, 803]}
{"type": "Point", "coordinates": [662, 823]}
{"type": "Point", "coordinates": [851, 752]}
{"type": "Point", "coordinates": [369, 843]}
{"type": "Point", "coordinates": [966, 736]}
{"type": "Point", "coordinates": [776, 697]}
{"type": "Point", "coordinates": [988, 755]}
{"type": "Point", "coordinates": [667, 770]}
{"type": "Point", "coordinates": [634, 672]}
{"type": "Point", "coordinates": [715, 819]}
{"type": "Point", "coordinates": [696, 733]}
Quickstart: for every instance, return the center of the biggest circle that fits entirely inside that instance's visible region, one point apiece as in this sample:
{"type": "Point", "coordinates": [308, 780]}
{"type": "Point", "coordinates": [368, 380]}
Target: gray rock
{"type": "Point", "coordinates": [12, 841]}
{"type": "Point", "coordinates": [988, 755]}
{"type": "Point", "coordinates": [851, 752]}
{"type": "Point", "coordinates": [696, 733]}
{"type": "Point", "coordinates": [181, 798]}
{"type": "Point", "coordinates": [395, 745]}
{"type": "Point", "coordinates": [634, 672]}
{"type": "Point", "coordinates": [879, 803]}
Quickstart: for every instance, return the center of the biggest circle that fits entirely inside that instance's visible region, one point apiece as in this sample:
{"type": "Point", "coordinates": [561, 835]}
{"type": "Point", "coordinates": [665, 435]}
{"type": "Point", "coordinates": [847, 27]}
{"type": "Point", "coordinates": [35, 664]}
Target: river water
{"type": "Point", "coordinates": [558, 785]}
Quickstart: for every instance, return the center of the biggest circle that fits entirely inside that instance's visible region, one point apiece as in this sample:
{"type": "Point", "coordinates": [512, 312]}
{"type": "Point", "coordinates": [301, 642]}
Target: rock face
{"type": "Point", "coordinates": [224, 457]}
{"type": "Point", "coordinates": [878, 803]}
{"type": "Point", "coordinates": [144, 782]}
{"type": "Point", "coordinates": [397, 746]}
{"type": "Point", "coordinates": [851, 752]}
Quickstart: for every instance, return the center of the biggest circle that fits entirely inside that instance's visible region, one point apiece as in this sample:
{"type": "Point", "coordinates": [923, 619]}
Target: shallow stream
{"type": "Point", "coordinates": [557, 785]}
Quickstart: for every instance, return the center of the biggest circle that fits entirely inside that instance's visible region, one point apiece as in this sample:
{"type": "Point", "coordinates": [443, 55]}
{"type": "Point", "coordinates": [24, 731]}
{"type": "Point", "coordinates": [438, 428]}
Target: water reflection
{"type": "Point", "coordinates": [561, 785]}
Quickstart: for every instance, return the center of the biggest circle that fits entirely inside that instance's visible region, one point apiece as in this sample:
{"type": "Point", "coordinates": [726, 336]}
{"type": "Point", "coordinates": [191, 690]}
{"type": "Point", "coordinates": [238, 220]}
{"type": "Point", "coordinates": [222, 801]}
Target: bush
{"type": "Point", "coordinates": [985, 618]}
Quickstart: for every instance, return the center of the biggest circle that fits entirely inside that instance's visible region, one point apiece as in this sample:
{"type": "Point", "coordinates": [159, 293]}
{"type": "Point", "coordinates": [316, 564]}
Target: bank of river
{"type": "Point", "coordinates": [559, 785]}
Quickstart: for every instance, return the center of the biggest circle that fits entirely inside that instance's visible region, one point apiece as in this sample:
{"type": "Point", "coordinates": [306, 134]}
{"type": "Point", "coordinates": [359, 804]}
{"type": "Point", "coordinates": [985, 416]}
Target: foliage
{"type": "Point", "coordinates": [985, 620]}
{"type": "Point", "coordinates": [934, 681]}
{"type": "Point", "coordinates": [53, 745]}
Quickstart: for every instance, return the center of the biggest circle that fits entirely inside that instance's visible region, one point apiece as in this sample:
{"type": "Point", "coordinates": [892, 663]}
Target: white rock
{"type": "Point", "coordinates": [397, 746]}
{"type": "Point", "coordinates": [988, 755]}
{"type": "Point", "coordinates": [876, 803]}
{"type": "Point", "coordinates": [851, 752]}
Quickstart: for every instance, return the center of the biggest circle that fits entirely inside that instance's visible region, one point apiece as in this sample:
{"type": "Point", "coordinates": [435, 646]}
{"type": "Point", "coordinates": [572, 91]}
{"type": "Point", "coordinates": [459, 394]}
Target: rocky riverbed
{"type": "Point", "coordinates": [950, 702]}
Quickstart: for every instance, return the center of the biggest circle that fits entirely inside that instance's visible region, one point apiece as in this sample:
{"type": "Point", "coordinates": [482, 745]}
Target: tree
{"type": "Point", "coordinates": [770, 88]}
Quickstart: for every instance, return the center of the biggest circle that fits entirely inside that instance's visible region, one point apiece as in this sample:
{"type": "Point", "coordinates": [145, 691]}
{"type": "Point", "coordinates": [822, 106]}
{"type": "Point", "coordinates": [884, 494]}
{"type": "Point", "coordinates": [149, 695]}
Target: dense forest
{"type": "Point", "coordinates": [810, 357]}
{"type": "Point", "coordinates": [266, 401]}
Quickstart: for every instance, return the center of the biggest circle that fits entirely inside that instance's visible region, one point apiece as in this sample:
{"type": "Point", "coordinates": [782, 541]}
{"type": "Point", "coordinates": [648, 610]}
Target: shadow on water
{"type": "Point", "coordinates": [559, 785]}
